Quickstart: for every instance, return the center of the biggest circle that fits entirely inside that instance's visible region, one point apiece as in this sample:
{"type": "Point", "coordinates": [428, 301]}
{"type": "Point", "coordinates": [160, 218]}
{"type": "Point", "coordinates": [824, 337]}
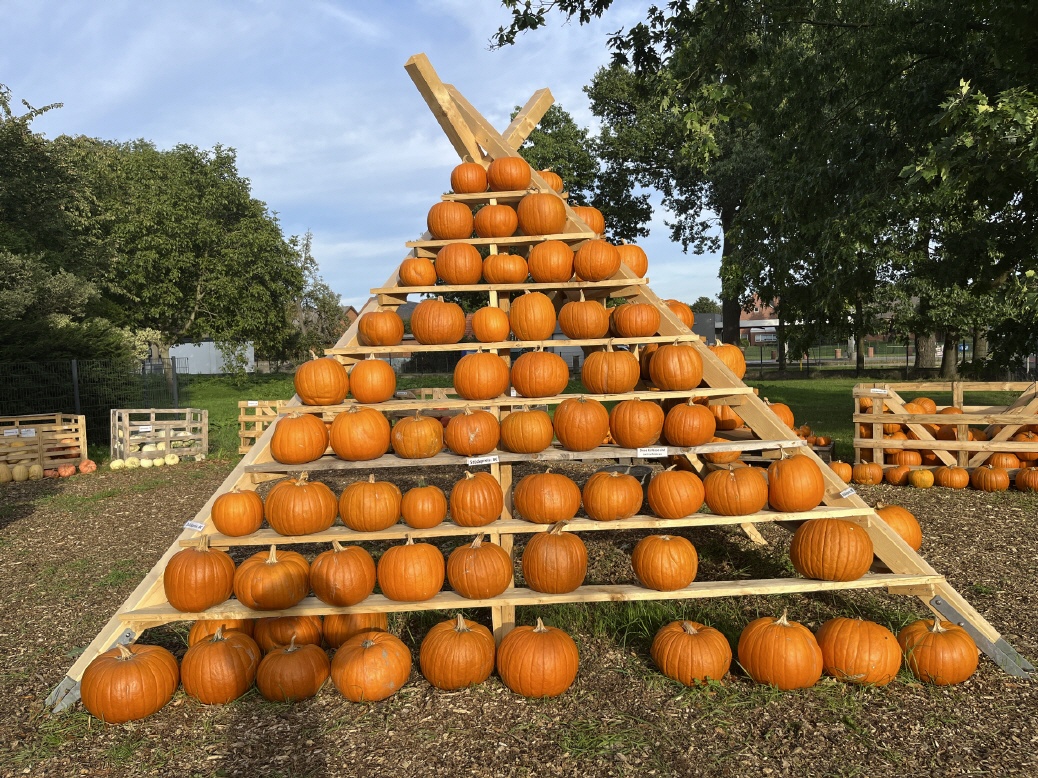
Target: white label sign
{"type": "Point", "coordinates": [848, 492]}
{"type": "Point", "coordinates": [512, 392]}
{"type": "Point", "coordinates": [490, 459]}
{"type": "Point", "coordinates": [252, 403]}
{"type": "Point", "coordinates": [878, 391]}
{"type": "Point", "coordinates": [28, 433]}
{"type": "Point", "coordinates": [652, 451]}
{"type": "Point", "coordinates": [144, 428]}
{"type": "Point", "coordinates": [197, 526]}
{"type": "Point", "coordinates": [11, 433]}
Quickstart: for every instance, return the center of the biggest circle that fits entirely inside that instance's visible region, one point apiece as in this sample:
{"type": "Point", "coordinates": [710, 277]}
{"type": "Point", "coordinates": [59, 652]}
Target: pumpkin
{"type": "Point", "coordinates": [472, 433]}
{"type": "Point", "coordinates": [555, 562]}
{"type": "Point", "coordinates": [831, 550]}
{"type": "Point", "coordinates": [372, 380]}
{"type": "Point", "coordinates": [732, 357]}
{"type": "Point", "coordinates": [858, 651]}
{"type": "Point", "coordinates": [635, 258]}
{"type": "Point", "coordinates": [584, 319]}
{"type": "Point", "coordinates": [370, 506]}
{"type": "Point", "coordinates": [417, 437]}
{"type": "Point", "coordinates": [459, 264]}
{"type": "Point", "coordinates": [1027, 479]}
{"type": "Point", "coordinates": [370, 666]}
{"type": "Point", "coordinates": [343, 576]}
{"type": "Point", "coordinates": [5, 472]}
{"type": "Point", "coordinates": [941, 653]}
{"type": "Point", "coordinates": [682, 311]}
{"type": "Point", "coordinates": [273, 580]}
{"type": "Point", "coordinates": [610, 372]}
{"type": "Point", "coordinates": [434, 321]}
{"type": "Point", "coordinates": [780, 652]}
{"type": "Point", "coordinates": [580, 423]}
{"type": "Point", "coordinates": [476, 500]}
{"type": "Point", "coordinates": [505, 269]}
{"type": "Point", "coordinates": [842, 469]}
{"type": "Point", "coordinates": [88, 466]}
{"type": "Point", "coordinates": [469, 178]}
{"type": "Point", "coordinates": [921, 479]}
{"type": "Point", "coordinates": [238, 513]}
{"type": "Point", "coordinates": [127, 683]}
{"type": "Point", "coordinates": [277, 631]}
{"type": "Point", "coordinates": [412, 572]}
{"type": "Point", "coordinates": [298, 438]}
{"type": "Point", "coordinates": [19, 473]}
{"type": "Point", "coordinates": [526, 431]}
{"type": "Point", "coordinates": [457, 653]}
{"type": "Point", "coordinates": [360, 434]}
{"type": "Point", "coordinates": [636, 423]}
{"type": "Point", "coordinates": [903, 522]}
{"type": "Point", "coordinates": [291, 673]}
{"type": "Point", "coordinates": [206, 628]}
{"type": "Point", "coordinates": [198, 578]}
{"type": "Point", "coordinates": [1003, 459]}
{"type": "Point", "coordinates": [725, 418]}
{"type": "Point", "coordinates": [550, 262]}
{"type": "Point", "coordinates": [675, 494]}
{"type": "Point", "coordinates": [689, 424]}
{"type": "Point", "coordinates": [450, 221]}
{"type": "Point", "coordinates": [676, 367]}
{"type": "Point", "coordinates": [538, 661]}
{"type": "Point", "coordinates": [546, 498]}
{"type": "Point", "coordinates": [417, 271]}
{"type": "Point", "coordinates": [868, 473]}
{"type": "Point", "coordinates": [989, 479]}
{"type": "Point", "coordinates": [496, 221]}
{"type": "Point", "coordinates": [735, 491]}
{"type": "Point", "coordinates": [691, 653]}
{"type": "Point", "coordinates": [490, 325]}
{"type": "Point", "coordinates": [596, 260]}
{"type": "Point", "coordinates": [340, 627]}
{"type": "Point", "coordinates": [1025, 437]}
{"type": "Point", "coordinates": [300, 507]}
{"type": "Point", "coordinates": [539, 374]}
{"type": "Point", "coordinates": [784, 413]}
{"type": "Point", "coordinates": [481, 376]}
{"type": "Point", "coordinates": [379, 328]}
{"type": "Point", "coordinates": [612, 496]}
{"type": "Point", "coordinates": [951, 477]}
{"type": "Point", "coordinates": [220, 669]}
{"type": "Point", "coordinates": [897, 476]}
{"type": "Point", "coordinates": [721, 457]}
{"type": "Point", "coordinates": [665, 563]}
{"type": "Point", "coordinates": [322, 381]}
{"type": "Point", "coordinates": [423, 506]}
{"type": "Point", "coordinates": [479, 570]}
{"type": "Point", "coordinates": [635, 320]}
{"type": "Point", "coordinates": [795, 483]}
{"type": "Point", "coordinates": [542, 213]}
{"type": "Point", "coordinates": [532, 316]}
{"type": "Point", "coordinates": [509, 174]}
{"type": "Point", "coordinates": [592, 217]}
{"type": "Point", "coordinates": [552, 179]}
{"type": "Point", "coordinates": [35, 472]}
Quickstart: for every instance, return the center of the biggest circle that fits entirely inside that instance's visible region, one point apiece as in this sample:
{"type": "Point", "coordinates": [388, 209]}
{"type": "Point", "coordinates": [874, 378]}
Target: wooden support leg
{"type": "Point", "coordinates": [502, 617]}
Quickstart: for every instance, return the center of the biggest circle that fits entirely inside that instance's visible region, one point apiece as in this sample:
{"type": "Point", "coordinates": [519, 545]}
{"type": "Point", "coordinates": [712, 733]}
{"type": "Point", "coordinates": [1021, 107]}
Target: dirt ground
{"type": "Point", "coordinates": [72, 550]}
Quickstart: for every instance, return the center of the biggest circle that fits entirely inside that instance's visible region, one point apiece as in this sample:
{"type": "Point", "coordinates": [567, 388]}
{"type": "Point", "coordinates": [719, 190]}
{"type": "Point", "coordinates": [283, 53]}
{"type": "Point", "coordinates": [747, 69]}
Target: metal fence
{"type": "Point", "coordinates": [91, 388]}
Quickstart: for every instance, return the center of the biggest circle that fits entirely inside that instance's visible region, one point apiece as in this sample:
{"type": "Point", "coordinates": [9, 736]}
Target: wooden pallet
{"type": "Point", "coordinates": [153, 432]}
{"type": "Point", "coordinates": [49, 440]}
{"type": "Point", "coordinates": [888, 407]}
{"type": "Point", "coordinates": [475, 139]}
{"type": "Point", "coordinates": [254, 416]}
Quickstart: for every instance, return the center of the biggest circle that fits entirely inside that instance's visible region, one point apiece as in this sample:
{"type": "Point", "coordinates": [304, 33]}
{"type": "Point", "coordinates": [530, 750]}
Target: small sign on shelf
{"type": "Point", "coordinates": [197, 526]}
{"type": "Point", "coordinates": [489, 459]}
{"type": "Point", "coordinates": [848, 492]}
{"type": "Point", "coordinates": [652, 452]}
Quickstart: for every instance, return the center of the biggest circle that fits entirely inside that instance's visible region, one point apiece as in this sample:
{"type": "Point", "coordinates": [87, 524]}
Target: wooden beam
{"type": "Point", "coordinates": [434, 91]}
{"type": "Point", "coordinates": [528, 118]}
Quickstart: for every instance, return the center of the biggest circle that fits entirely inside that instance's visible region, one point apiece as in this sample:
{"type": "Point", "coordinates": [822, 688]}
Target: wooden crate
{"type": "Point", "coordinates": [254, 416]}
{"type": "Point", "coordinates": [998, 423]}
{"type": "Point", "coordinates": [49, 440]}
{"type": "Point", "coordinates": [151, 432]}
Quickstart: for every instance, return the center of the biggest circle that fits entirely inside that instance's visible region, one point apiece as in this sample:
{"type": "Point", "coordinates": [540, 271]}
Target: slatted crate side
{"type": "Point", "coordinates": [180, 431]}
{"type": "Point", "coordinates": [253, 418]}
{"type": "Point", "coordinates": [49, 440]}
{"type": "Point", "coordinates": [65, 442]}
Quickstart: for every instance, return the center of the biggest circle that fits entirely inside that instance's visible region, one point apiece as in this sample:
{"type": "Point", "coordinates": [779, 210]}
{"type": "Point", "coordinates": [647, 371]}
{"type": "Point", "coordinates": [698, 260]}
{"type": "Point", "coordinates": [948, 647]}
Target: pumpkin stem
{"type": "Point", "coordinates": [371, 478]}
{"type": "Point", "coordinates": [410, 540]}
{"type": "Point", "coordinates": [273, 557]}
{"type": "Point", "coordinates": [689, 628]}
{"type": "Point", "coordinates": [124, 652]}
{"type": "Point", "coordinates": [370, 643]}
{"type": "Point", "coordinates": [557, 528]}
{"type": "Point", "coordinates": [291, 645]}
{"type": "Point", "coordinates": [469, 475]}
{"type": "Point", "coordinates": [672, 467]}
{"type": "Point", "coordinates": [313, 354]}
{"type": "Point", "coordinates": [218, 635]}
{"type": "Point", "coordinates": [302, 478]}
{"type": "Point", "coordinates": [337, 546]}
{"type": "Point", "coordinates": [581, 295]}
{"type": "Point", "coordinates": [417, 414]}
{"type": "Point", "coordinates": [540, 626]}
{"type": "Point", "coordinates": [203, 543]}
{"type": "Point", "coordinates": [460, 625]}
{"type": "Point", "coordinates": [783, 620]}
{"type": "Point", "coordinates": [937, 626]}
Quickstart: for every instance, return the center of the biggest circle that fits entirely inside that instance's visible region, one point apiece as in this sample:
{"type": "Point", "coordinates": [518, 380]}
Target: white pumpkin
{"type": "Point", "coordinates": [172, 459]}
{"type": "Point", "coordinates": [132, 463]}
{"type": "Point", "coordinates": [116, 464]}
{"type": "Point", "coordinates": [158, 462]}
{"type": "Point", "coordinates": [19, 473]}
{"type": "Point", "coordinates": [149, 447]}
{"type": "Point", "coordinates": [146, 463]}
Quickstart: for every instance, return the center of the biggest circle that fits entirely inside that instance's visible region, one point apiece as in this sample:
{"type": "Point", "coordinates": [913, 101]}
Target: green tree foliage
{"type": "Point", "coordinates": [705, 305]}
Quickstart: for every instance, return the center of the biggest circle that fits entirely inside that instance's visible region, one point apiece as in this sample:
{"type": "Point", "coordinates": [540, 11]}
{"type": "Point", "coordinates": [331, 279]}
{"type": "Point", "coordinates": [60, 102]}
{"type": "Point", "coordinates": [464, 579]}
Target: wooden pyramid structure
{"type": "Point", "coordinates": [476, 140]}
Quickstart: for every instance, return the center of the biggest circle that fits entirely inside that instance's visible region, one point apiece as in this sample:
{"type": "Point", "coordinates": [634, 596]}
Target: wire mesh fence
{"type": "Point", "coordinates": [91, 388]}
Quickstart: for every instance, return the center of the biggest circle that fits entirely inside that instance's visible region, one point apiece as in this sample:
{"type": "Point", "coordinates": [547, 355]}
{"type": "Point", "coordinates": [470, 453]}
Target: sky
{"type": "Point", "coordinates": [313, 95]}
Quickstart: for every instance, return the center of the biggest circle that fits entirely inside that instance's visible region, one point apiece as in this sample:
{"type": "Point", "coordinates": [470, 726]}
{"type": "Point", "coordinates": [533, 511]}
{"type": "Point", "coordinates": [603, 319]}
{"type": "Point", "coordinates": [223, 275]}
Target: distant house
{"type": "Point", "coordinates": [758, 324]}
{"type": "Point", "coordinates": [349, 315]}
{"type": "Point", "coordinates": [204, 358]}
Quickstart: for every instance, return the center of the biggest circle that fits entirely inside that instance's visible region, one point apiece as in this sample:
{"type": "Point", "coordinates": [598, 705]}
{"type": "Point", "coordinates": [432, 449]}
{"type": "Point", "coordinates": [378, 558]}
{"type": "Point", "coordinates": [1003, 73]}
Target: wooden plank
{"type": "Point", "coordinates": [376, 603]}
{"type": "Point", "coordinates": [967, 386]}
{"type": "Point", "coordinates": [983, 446]}
{"type": "Point", "coordinates": [572, 238]}
{"type": "Point", "coordinates": [421, 348]}
{"type": "Point", "coordinates": [434, 92]}
{"type": "Point", "coordinates": [528, 117]}
{"type": "Point", "coordinates": [949, 420]}
{"type": "Point", "coordinates": [610, 283]}
{"type": "Point", "coordinates": [480, 198]}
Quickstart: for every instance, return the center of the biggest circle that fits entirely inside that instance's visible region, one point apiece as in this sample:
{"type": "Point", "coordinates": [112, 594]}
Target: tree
{"type": "Point", "coordinates": [706, 305]}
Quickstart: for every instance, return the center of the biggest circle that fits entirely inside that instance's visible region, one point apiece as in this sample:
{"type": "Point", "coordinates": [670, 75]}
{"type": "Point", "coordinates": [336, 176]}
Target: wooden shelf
{"type": "Point", "coordinates": [448, 600]}
{"type": "Point", "coordinates": [512, 196]}
{"type": "Point", "coordinates": [267, 536]}
{"type": "Point", "coordinates": [609, 283]}
{"type": "Point", "coordinates": [514, 240]}
{"type": "Point", "coordinates": [416, 348]}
